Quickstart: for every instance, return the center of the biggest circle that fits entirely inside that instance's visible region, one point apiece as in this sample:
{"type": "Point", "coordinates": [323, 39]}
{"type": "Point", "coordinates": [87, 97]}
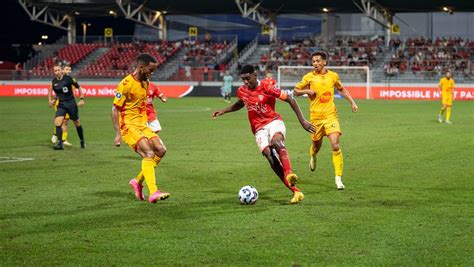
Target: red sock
{"type": "Point", "coordinates": [285, 161]}
{"type": "Point", "coordinates": [292, 188]}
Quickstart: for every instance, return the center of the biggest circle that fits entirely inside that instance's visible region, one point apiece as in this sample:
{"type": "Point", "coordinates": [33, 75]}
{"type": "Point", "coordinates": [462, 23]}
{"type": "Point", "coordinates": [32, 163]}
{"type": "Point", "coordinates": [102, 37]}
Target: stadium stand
{"type": "Point", "coordinates": [116, 62]}
{"type": "Point", "coordinates": [203, 61]}
{"type": "Point", "coordinates": [429, 58]}
{"type": "Point", "coordinates": [71, 54]}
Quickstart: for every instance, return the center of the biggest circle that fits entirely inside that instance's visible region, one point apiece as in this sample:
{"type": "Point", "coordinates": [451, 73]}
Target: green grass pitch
{"type": "Point", "coordinates": [408, 198]}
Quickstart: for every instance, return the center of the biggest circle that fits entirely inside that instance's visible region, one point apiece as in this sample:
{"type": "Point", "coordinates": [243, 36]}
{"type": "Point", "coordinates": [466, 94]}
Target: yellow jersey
{"type": "Point", "coordinates": [130, 99]}
{"type": "Point", "coordinates": [322, 106]}
{"type": "Point", "coordinates": [446, 85]}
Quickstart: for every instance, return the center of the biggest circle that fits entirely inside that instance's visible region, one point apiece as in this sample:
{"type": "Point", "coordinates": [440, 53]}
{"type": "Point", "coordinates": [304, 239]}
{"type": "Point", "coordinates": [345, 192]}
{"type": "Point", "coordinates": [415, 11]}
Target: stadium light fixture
{"type": "Point", "coordinates": [44, 37]}
{"type": "Point", "coordinates": [325, 10]}
{"type": "Point", "coordinates": [77, 13]}
{"type": "Point", "coordinates": [448, 10]}
{"type": "Point", "coordinates": [111, 12]}
{"type": "Point", "coordinates": [40, 43]}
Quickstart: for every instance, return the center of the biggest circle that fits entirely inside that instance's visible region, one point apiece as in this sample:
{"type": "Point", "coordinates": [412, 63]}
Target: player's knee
{"type": "Point", "coordinates": [335, 147]}
{"type": "Point", "coordinates": [149, 153]}
{"type": "Point", "coordinates": [277, 142]}
{"type": "Point", "coordinates": [267, 153]}
{"type": "Point", "coordinates": [160, 152]}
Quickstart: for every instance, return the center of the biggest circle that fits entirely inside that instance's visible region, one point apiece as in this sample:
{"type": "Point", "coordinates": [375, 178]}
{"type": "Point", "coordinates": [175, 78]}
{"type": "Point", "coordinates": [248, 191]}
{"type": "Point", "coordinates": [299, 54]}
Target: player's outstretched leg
{"type": "Point", "coordinates": [271, 155]}
{"type": "Point", "coordinates": [279, 145]}
{"type": "Point", "coordinates": [150, 160]}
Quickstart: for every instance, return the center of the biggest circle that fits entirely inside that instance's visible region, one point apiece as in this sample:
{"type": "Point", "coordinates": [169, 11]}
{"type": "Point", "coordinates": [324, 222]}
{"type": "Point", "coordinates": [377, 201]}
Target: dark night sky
{"type": "Point", "coordinates": [18, 30]}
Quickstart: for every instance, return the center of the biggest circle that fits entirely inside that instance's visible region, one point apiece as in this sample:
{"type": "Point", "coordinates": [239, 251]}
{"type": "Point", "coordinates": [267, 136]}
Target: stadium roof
{"type": "Point", "coordinates": [97, 7]}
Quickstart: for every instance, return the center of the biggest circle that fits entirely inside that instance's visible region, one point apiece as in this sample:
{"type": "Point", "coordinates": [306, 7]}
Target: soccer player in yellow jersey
{"type": "Point", "coordinates": [319, 86]}
{"type": "Point", "coordinates": [446, 86]}
{"type": "Point", "coordinates": [130, 123]}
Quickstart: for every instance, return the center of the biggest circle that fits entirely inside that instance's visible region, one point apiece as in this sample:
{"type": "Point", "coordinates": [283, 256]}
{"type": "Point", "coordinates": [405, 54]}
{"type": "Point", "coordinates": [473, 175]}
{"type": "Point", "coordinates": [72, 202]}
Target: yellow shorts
{"type": "Point", "coordinates": [132, 135]}
{"type": "Point", "coordinates": [447, 99]}
{"type": "Point", "coordinates": [325, 127]}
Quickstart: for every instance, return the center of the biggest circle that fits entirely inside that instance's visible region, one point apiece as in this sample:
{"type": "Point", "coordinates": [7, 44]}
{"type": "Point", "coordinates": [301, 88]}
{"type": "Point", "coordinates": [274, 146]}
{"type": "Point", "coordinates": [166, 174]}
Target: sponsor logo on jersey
{"type": "Point", "coordinates": [325, 97]}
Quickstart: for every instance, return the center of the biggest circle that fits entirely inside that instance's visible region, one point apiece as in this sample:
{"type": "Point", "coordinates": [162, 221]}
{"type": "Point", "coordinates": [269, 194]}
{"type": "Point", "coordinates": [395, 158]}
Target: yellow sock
{"type": "Point", "coordinates": [148, 170]}
{"type": "Point", "coordinates": [311, 150]}
{"type": "Point", "coordinates": [156, 159]}
{"type": "Point", "coordinates": [54, 130]}
{"type": "Point", "coordinates": [337, 162]}
{"type": "Point", "coordinates": [64, 135]}
{"type": "Point", "coordinates": [448, 113]}
{"type": "Point", "coordinates": [140, 178]}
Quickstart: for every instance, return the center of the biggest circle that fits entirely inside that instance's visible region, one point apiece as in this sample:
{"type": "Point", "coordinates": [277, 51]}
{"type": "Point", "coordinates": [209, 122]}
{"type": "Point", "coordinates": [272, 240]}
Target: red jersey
{"type": "Point", "coordinates": [153, 91]}
{"type": "Point", "coordinates": [260, 103]}
{"type": "Point", "coordinates": [270, 81]}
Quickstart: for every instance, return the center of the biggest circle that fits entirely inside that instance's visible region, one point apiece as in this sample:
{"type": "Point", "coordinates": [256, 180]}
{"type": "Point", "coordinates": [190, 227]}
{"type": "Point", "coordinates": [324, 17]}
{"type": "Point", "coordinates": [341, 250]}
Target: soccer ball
{"type": "Point", "coordinates": [248, 195]}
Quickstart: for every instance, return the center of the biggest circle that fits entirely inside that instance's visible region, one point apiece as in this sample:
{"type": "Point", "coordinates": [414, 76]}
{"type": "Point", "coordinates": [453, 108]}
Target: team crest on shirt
{"type": "Point", "coordinates": [260, 97]}
{"type": "Point", "coordinates": [118, 95]}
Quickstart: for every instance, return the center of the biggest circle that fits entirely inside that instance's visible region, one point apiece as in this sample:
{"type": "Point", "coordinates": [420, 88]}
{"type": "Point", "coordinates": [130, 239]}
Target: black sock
{"type": "Point", "coordinates": [80, 132]}
{"type": "Point", "coordinates": [59, 134]}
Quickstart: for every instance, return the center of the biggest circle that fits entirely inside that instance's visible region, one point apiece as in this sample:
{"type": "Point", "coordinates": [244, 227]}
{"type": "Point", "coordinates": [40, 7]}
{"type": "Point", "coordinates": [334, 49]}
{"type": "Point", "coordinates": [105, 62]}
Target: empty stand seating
{"type": "Point", "coordinates": [120, 59]}
{"type": "Point", "coordinates": [71, 54]}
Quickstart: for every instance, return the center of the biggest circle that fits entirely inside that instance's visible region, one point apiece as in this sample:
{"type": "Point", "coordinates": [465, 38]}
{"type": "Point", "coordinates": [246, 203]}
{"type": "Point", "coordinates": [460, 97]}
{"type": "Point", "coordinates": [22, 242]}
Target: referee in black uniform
{"type": "Point", "coordinates": [62, 85]}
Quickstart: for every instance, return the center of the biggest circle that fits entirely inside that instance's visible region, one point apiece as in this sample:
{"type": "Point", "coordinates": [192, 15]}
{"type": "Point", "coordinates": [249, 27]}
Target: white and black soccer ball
{"type": "Point", "coordinates": [248, 195]}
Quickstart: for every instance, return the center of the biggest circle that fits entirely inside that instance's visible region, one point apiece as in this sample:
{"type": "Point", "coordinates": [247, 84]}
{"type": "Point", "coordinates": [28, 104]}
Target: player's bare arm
{"type": "Point", "coordinates": [50, 97]}
{"type": "Point", "coordinates": [163, 98]}
{"type": "Point", "coordinates": [296, 108]}
{"type": "Point", "coordinates": [300, 92]}
{"type": "Point", "coordinates": [115, 123]}
{"type": "Point", "coordinates": [234, 107]}
{"type": "Point", "coordinates": [81, 97]}
{"type": "Point", "coordinates": [347, 96]}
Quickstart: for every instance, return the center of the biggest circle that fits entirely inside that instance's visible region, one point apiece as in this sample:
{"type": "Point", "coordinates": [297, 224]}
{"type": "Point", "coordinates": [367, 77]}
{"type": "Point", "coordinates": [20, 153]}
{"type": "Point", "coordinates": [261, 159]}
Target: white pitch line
{"type": "Point", "coordinates": [13, 159]}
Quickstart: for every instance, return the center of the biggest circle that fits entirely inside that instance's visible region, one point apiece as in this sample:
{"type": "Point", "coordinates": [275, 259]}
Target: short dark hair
{"type": "Point", "coordinates": [319, 53]}
{"type": "Point", "coordinates": [247, 69]}
{"type": "Point", "coordinates": [145, 59]}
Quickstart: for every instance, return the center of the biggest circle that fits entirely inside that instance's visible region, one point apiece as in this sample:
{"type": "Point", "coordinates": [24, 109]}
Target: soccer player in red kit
{"type": "Point", "coordinates": [267, 125]}
{"type": "Point", "coordinates": [269, 78]}
{"type": "Point", "coordinates": [153, 91]}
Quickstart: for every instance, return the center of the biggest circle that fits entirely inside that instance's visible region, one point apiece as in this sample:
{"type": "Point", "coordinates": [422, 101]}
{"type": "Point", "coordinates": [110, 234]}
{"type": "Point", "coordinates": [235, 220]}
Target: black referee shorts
{"type": "Point", "coordinates": [68, 107]}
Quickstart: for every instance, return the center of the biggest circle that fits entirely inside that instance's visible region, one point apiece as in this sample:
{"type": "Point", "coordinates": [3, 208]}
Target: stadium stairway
{"type": "Point", "coordinates": [378, 74]}
{"type": "Point", "coordinates": [170, 67]}
{"type": "Point", "coordinates": [92, 57]}
{"type": "Point", "coordinates": [254, 58]}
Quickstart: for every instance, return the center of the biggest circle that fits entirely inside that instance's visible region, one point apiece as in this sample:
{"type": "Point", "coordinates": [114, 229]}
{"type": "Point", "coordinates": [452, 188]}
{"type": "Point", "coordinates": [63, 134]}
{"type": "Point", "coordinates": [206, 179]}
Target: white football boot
{"type": "Point", "coordinates": [339, 184]}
